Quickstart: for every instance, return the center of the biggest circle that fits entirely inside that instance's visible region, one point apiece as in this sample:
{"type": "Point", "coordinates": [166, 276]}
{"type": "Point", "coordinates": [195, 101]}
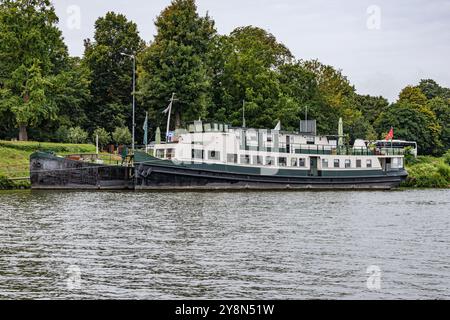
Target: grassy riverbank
{"type": "Point", "coordinates": [15, 157]}
{"type": "Point", "coordinates": [428, 172]}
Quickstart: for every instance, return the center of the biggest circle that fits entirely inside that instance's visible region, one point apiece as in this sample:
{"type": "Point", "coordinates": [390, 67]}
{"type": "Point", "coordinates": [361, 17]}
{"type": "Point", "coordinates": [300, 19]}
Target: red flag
{"type": "Point", "coordinates": [390, 135]}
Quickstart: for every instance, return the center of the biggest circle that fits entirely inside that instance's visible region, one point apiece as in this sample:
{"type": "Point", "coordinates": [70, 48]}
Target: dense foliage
{"type": "Point", "coordinates": [429, 172]}
{"type": "Point", "coordinates": [46, 95]}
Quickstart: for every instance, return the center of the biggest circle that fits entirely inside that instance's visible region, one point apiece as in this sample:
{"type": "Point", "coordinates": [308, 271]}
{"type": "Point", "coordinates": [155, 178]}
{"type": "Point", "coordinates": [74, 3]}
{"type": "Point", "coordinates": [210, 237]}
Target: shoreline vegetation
{"type": "Point", "coordinates": [424, 171]}
{"type": "Point", "coordinates": [428, 172]}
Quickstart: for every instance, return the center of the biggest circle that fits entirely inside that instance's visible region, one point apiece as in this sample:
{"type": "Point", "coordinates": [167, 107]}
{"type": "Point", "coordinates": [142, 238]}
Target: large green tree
{"type": "Point", "coordinates": [431, 89]}
{"type": "Point", "coordinates": [178, 61]}
{"type": "Point", "coordinates": [371, 107]}
{"type": "Point", "coordinates": [412, 95]}
{"type": "Point", "coordinates": [249, 72]}
{"type": "Point", "coordinates": [414, 123]}
{"type": "Point", "coordinates": [111, 72]}
{"type": "Point", "coordinates": [33, 59]}
{"type": "Point", "coordinates": [299, 96]}
{"type": "Point", "coordinates": [339, 99]}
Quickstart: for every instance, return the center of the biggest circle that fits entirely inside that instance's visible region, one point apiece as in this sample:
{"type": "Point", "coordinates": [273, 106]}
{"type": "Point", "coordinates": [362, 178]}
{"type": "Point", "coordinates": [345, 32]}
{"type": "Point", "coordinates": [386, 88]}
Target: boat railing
{"type": "Point", "coordinates": [312, 149]}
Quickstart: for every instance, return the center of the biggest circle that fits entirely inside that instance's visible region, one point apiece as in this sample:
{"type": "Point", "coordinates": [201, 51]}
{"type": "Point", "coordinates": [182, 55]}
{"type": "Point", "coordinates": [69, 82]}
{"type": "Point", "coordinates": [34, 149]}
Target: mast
{"type": "Point", "coordinates": [169, 110]}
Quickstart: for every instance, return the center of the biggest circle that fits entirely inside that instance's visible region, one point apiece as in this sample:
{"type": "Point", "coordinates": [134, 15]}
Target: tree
{"type": "Point", "coordinates": [73, 95]}
{"type": "Point", "coordinates": [178, 61]}
{"type": "Point", "coordinates": [110, 72]}
{"type": "Point", "coordinates": [248, 72]}
{"type": "Point", "coordinates": [414, 123]}
{"type": "Point", "coordinates": [412, 95]}
{"type": "Point", "coordinates": [77, 135]}
{"type": "Point", "coordinates": [300, 92]}
{"type": "Point", "coordinates": [32, 55]}
{"type": "Point", "coordinates": [371, 107]}
{"type": "Point", "coordinates": [334, 87]}
{"type": "Point", "coordinates": [122, 135]}
{"type": "Point", "coordinates": [441, 109]}
{"type": "Point", "coordinates": [103, 137]}
{"type": "Point", "coordinates": [431, 89]}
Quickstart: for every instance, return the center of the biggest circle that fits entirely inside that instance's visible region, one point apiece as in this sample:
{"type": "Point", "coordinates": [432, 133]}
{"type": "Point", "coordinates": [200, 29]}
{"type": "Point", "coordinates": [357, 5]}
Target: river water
{"type": "Point", "coordinates": [249, 245]}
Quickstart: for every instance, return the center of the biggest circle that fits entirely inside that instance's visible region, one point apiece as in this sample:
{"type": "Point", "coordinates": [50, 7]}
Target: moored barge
{"type": "Point", "coordinates": [215, 156]}
{"type": "Point", "coordinates": [49, 171]}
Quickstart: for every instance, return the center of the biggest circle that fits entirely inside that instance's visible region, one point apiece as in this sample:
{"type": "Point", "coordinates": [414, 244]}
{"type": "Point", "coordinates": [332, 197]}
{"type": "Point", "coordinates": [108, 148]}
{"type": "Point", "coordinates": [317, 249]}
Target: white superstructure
{"type": "Point", "coordinates": [215, 143]}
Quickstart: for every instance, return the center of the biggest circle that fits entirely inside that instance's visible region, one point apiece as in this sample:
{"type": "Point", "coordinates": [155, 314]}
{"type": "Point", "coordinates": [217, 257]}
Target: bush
{"type": "Point", "coordinates": [428, 175]}
{"type": "Point", "coordinates": [103, 137]}
{"type": "Point", "coordinates": [122, 136]}
{"type": "Point", "coordinates": [5, 183]}
{"type": "Point", "coordinates": [77, 135]}
{"type": "Point", "coordinates": [444, 170]}
{"type": "Point", "coordinates": [61, 134]}
{"type": "Point", "coordinates": [447, 157]}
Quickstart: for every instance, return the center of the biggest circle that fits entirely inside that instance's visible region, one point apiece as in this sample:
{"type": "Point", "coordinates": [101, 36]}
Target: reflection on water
{"type": "Point", "coordinates": [293, 245]}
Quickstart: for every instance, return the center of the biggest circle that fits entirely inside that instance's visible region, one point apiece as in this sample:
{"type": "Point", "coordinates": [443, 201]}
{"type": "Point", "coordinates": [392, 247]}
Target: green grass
{"type": "Point", "coordinates": [31, 146]}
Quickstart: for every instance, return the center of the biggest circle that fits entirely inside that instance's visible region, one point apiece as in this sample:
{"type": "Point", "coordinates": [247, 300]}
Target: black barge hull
{"type": "Point", "coordinates": [158, 174]}
{"type": "Point", "coordinates": [51, 172]}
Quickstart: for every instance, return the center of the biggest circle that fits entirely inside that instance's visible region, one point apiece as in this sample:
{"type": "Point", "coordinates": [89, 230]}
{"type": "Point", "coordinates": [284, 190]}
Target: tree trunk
{"type": "Point", "coordinates": [177, 119]}
{"type": "Point", "coordinates": [23, 135]}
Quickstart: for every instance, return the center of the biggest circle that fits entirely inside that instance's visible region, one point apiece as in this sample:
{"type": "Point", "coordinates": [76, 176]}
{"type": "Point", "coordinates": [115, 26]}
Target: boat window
{"type": "Point", "coordinates": [336, 163]}
{"type": "Point", "coordinates": [214, 155]}
{"type": "Point", "coordinates": [198, 126]}
{"type": "Point", "coordinates": [294, 162]}
{"type": "Point", "coordinates": [358, 163]}
{"type": "Point", "coordinates": [232, 158]}
{"type": "Point", "coordinates": [282, 161]}
{"type": "Point", "coordinates": [270, 161]}
{"type": "Point", "coordinates": [197, 154]}
{"type": "Point", "coordinates": [245, 159]}
{"type": "Point", "coordinates": [257, 160]}
{"type": "Point", "coordinates": [324, 163]}
{"type": "Point", "coordinates": [160, 153]}
{"type": "Point", "coordinates": [207, 127]}
{"type": "Point", "coordinates": [302, 162]}
{"type": "Point", "coordinates": [369, 163]}
{"type": "Point", "coordinates": [348, 163]}
{"type": "Point", "coordinates": [170, 154]}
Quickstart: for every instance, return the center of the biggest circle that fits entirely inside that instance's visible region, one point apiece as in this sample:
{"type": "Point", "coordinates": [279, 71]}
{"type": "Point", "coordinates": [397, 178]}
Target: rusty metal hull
{"type": "Point", "coordinates": [48, 171]}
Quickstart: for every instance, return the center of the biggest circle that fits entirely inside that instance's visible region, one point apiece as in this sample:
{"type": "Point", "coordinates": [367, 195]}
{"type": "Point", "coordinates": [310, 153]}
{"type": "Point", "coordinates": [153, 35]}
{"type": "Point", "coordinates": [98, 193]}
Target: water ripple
{"type": "Point", "coordinates": [303, 245]}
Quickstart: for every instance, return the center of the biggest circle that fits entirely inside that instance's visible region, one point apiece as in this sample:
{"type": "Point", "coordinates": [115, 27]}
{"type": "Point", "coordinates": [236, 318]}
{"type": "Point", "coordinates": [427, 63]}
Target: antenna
{"type": "Point", "coordinates": [243, 113]}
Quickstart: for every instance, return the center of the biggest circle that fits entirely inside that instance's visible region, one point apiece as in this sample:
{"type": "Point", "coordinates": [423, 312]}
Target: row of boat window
{"type": "Point", "coordinates": [272, 161]}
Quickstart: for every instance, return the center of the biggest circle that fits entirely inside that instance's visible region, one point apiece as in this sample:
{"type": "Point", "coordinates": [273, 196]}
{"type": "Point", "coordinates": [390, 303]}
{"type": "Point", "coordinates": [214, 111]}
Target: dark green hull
{"type": "Point", "coordinates": [155, 174]}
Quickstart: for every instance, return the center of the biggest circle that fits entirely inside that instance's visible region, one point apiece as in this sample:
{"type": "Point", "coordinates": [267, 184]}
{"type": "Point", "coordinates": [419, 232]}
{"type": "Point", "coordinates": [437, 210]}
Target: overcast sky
{"type": "Point", "coordinates": [380, 45]}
